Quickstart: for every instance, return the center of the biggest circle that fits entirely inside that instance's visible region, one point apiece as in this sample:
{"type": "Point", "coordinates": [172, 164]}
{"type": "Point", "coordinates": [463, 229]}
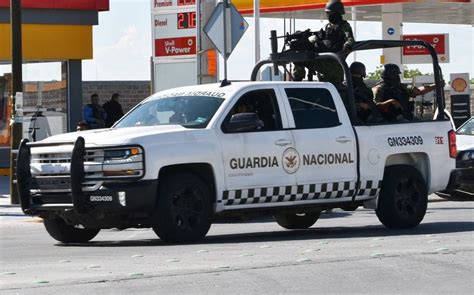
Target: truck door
{"type": "Point", "coordinates": [253, 156]}
{"type": "Point", "coordinates": [325, 143]}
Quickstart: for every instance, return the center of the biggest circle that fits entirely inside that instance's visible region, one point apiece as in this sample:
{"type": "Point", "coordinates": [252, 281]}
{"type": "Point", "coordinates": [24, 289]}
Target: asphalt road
{"type": "Point", "coordinates": [344, 252]}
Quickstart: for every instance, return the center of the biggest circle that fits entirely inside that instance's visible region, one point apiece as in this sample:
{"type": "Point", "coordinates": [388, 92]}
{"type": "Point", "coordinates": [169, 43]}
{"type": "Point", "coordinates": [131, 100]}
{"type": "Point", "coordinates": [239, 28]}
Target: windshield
{"type": "Point", "coordinates": [467, 128]}
{"type": "Point", "coordinates": [187, 111]}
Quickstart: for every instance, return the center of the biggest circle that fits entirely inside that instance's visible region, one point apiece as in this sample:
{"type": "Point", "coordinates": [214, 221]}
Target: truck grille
{"type": "Point", "coordinates": [52, 170]}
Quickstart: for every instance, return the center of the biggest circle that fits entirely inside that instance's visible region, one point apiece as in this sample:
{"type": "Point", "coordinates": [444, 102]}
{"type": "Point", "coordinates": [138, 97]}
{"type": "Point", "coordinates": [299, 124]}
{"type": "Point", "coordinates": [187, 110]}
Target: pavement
{"type": "Point", "coordinates": [8, 212]}
{"type": "Point", "coordinates": [354, 254]}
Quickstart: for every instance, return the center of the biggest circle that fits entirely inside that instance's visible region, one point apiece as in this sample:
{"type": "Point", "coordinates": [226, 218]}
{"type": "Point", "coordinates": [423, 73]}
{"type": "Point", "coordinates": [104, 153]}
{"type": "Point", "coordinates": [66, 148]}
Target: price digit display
{"type": "Point", "coordinates": [186, 2]}
{"type": "Point", "coordinates": [186, 20]}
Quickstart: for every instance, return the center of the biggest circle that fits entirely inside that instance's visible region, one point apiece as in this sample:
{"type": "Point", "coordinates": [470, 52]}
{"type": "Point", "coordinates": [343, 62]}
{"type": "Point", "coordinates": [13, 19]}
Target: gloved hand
{"type": "Point", "coordinates": [347, 47]}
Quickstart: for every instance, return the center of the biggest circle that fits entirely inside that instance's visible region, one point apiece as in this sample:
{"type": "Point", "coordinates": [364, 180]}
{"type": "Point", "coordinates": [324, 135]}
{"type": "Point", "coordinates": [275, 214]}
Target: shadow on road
{"type": "Point", "coordinates": [295, 235]}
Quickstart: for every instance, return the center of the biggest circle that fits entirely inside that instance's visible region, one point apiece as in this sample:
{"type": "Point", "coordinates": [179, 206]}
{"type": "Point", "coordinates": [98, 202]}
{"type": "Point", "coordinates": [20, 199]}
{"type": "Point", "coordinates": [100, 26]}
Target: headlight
{"type": "Point", "coordinates": [123, 156]}
{"type": "Point", "coordinates": [467, 155]}
{"type": "Point", "coordinates": [123, 162]}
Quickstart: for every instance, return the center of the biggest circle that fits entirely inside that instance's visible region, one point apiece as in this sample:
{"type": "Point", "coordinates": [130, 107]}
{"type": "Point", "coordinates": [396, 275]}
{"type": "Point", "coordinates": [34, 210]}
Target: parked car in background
{"type": "Point", "coordinates": [462, 179]}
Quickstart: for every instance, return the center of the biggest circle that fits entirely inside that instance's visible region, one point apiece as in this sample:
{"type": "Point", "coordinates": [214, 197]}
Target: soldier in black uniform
{"type": "Point", "coordinates": [367, 110]}
{"type": "Point", "coordinates": [394, 97]}
{"type": "Point", "coordinates": [336, 37]}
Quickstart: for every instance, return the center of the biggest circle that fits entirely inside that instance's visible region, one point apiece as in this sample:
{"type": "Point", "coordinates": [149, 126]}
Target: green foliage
{"type": "Point", "coordinates": [410, 73]}
{"type": "Point", "coordinates": [375, 75]}
{"type": "Point", "coordinates": [407, 73]}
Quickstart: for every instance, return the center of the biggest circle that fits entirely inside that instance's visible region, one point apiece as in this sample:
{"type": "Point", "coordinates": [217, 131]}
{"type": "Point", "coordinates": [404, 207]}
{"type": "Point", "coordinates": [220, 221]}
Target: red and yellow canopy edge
{"type": "Point", "coordinates": [97, 5]}
{"type": "Point", "coordinates": [269, 6]}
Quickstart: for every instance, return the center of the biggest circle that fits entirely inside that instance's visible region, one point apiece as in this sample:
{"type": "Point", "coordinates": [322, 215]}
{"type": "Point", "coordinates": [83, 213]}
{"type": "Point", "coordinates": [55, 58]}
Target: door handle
{"type": "Point", "coordinates": [283, 142]}
{"type": "Point", "coordinates": [343, 139]}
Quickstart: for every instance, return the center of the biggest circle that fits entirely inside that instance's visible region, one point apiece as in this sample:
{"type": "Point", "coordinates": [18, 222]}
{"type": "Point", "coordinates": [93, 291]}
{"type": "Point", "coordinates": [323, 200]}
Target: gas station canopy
{"type": "Point", "coordinates": [52, 30]}
{"type": "Point", "coordinates": [415, 11]}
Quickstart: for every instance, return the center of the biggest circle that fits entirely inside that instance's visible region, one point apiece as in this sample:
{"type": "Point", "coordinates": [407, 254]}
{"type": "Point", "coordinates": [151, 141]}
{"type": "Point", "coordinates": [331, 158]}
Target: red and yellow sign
{"type": "Point", "coordinates": [459, 85]}
{"type": "Point", "coordinates": [175, 46]}
{"type": "Point", "coordinates": [438, 41]}
{"type": "Point", "coordinates": [49, 42]}
{"type": "Point", "coordinates": [269, 6]}
{"type": "Point", "coordinates": [97, 5]}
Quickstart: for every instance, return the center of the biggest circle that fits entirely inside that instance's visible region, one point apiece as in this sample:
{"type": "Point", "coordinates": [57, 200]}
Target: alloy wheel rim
{"type": "Point", "coordinates": [187, 208]}
{"type": "Point", "coordinates": [408, 197]}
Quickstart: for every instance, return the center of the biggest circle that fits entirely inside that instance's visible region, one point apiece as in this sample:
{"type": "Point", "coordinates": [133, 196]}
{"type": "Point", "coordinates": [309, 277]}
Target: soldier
{"type": "Point", "coordinates": [366, 108]}
{"type": "Point", "coordinates": [394, 97]}
{"type": "Point", "coordinates": [338, 38]}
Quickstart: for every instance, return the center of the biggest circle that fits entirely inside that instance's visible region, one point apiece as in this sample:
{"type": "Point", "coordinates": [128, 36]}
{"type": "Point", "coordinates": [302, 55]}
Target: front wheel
{"type": "Point", "coordinates": [59, 230]}
{"type": "Point", "coordinates": [184, 208]}
{"type": "Point", "coordinates": [297, 221]}
{"type": "Point", "coordinates": [403, 198]}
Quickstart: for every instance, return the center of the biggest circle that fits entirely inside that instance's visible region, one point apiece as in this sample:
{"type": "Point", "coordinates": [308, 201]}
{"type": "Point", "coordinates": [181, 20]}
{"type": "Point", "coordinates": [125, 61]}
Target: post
{"type": "Point", "coordinates": [256, 17]}
{"type": "Point", "coordinates": [204, 9]}
{"type": "Point", "coordinates": [226, 4]}
{"type": "Point", "coordinates": [354, 26]}
{"type": "Point", "coordinates": [17, 87]}
{"type": "Point", "coordinates": [74, 93]}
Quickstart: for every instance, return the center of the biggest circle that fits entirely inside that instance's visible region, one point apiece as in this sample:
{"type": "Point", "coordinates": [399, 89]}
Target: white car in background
{"type": "Point", "coordinates": [462, 179]}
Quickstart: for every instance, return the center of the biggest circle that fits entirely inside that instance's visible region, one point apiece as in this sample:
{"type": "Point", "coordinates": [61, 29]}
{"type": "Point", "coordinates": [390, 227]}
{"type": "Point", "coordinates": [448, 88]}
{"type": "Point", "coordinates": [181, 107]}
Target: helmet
{"type": "Point", "coordinates": [390, 71]}
{"type": "Point", "coordinates": [358, 68]}
{"type": "Point", "coordinates": [335, 6]}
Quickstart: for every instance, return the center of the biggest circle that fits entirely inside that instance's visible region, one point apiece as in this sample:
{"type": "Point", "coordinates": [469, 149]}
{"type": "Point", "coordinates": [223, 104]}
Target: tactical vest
{"type": "Point", "coordinates": [335, 36]}
{"type": "Point", "coordinates": [362, 93]}
{"type": "Point", "coordinates": [400, 94]}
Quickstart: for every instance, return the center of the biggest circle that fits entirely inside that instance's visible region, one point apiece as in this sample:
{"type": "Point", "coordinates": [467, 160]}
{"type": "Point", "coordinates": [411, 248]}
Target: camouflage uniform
{"type": "Point", "coordinates": [338, 38]}
{"type": "Point", "coordinates": [400, 93]}
{"type": "Point", "coordinates": [363, 94]}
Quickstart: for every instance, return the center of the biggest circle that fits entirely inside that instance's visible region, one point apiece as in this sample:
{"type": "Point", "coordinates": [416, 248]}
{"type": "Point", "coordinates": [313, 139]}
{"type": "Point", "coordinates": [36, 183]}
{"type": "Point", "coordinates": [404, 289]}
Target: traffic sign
{"type": "Point", "coordinates": [229, 32]}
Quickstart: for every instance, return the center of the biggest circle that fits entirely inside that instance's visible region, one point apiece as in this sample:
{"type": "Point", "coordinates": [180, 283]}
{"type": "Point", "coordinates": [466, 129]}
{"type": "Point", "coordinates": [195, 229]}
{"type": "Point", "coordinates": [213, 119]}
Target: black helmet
{"type": "Point", "coordinates": [390, 71]}
{"type": "Point", "coordinates": [358, 68]}
{"type": "Point", "coordinates": [335, 6]}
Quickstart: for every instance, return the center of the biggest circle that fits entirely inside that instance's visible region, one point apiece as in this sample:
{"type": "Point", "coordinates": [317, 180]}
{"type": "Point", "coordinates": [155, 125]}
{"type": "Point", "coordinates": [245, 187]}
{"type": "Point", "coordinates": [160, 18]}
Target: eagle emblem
{"type": "Point", "coordinates": [291, 160]}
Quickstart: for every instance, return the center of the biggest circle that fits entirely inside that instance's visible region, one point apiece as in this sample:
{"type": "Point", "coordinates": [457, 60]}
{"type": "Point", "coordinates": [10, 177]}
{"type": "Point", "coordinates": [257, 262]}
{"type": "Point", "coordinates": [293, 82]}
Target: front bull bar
{"type": "Point", "coordinates": [25, 180]}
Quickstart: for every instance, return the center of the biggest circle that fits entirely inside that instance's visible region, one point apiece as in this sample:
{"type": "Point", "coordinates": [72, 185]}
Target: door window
{"type": "Point", "coordinates": [263, 103]}
{"type": "Point", "coordinates": [312, 108]}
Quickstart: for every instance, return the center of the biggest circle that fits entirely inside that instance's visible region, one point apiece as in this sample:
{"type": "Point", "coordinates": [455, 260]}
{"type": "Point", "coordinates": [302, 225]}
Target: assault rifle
{"type": "Point", "coordinates": [300, 41]}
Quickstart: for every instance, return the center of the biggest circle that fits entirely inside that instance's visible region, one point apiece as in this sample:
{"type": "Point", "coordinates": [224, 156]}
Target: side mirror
{"type": "Point", "coordinates": [243, 122]}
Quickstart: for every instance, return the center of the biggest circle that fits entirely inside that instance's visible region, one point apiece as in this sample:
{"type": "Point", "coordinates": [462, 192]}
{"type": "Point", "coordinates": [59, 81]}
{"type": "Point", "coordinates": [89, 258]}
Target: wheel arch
{"type": "Point", "coordinates": [418, 160]}
{"type": "Point", "coordinates": [204, 171]}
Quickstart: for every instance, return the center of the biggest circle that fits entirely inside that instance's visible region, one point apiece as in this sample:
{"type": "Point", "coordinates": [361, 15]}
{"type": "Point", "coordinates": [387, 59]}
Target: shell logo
{"type": "Point", "coordinates": [459, 85]}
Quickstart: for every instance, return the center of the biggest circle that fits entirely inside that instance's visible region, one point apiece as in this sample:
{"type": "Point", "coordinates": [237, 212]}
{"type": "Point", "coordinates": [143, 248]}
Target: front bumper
{"type": "Point", "coordinates": [461, 177]}
{"type": "Point", "coordinates": [126, 196]}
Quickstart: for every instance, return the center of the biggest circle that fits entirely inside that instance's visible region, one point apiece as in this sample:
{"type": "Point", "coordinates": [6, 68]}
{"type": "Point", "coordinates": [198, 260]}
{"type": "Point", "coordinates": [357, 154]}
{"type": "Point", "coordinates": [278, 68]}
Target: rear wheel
{"type": "Point", "coordinates": [65, 233]}
{"type": "Point", "coordinates": [297, 220]}
{"type": "Point", "coordinates": [403, 198]}
{"type": "Point", "coordinates": [184, 208]}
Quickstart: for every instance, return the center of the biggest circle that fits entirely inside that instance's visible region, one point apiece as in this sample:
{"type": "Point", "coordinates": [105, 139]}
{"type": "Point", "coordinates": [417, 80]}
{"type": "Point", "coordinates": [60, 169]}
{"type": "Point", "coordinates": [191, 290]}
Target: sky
{"type": "Point", "coordinates": [123, 38]}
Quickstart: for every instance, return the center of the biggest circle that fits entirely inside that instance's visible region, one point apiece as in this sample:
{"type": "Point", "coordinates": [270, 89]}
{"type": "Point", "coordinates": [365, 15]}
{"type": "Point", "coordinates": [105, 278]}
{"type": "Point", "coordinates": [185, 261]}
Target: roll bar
{"type": "Point", "coordinates": [285, 57]}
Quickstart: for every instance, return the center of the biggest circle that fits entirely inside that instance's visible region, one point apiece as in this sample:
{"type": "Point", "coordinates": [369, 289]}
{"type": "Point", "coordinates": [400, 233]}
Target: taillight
{"type": "Point", "coordinates": [453, 151]}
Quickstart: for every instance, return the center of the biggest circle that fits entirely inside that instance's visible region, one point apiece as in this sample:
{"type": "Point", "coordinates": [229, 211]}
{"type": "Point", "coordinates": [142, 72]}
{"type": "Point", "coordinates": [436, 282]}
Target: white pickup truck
{"type": "Point", "coordinates": [185, 156]}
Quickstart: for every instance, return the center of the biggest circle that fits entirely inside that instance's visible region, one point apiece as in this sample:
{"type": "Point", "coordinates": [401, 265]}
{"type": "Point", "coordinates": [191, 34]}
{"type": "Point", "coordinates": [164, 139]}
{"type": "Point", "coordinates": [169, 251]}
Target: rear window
{"type": "Point", "coordinates": [312, 108]}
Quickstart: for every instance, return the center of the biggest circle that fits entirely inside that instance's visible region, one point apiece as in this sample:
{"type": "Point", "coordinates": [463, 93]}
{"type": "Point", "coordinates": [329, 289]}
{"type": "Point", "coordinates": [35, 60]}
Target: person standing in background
{"type": "Point", "coordinates": [113, 110]}
{"type": "Point", "coordinates": [94, 114]}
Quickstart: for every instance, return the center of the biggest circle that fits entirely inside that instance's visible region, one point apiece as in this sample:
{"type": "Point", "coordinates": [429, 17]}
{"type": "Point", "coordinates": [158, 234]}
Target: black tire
{"type": "Point", "coordinates": [184, 208]}
{"type": "Point", "coordinates": [62, 232]}
{"type": "Point", "coordinates": [297, 221]}
{"type": "Point", "coordinates": [403, 197]}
